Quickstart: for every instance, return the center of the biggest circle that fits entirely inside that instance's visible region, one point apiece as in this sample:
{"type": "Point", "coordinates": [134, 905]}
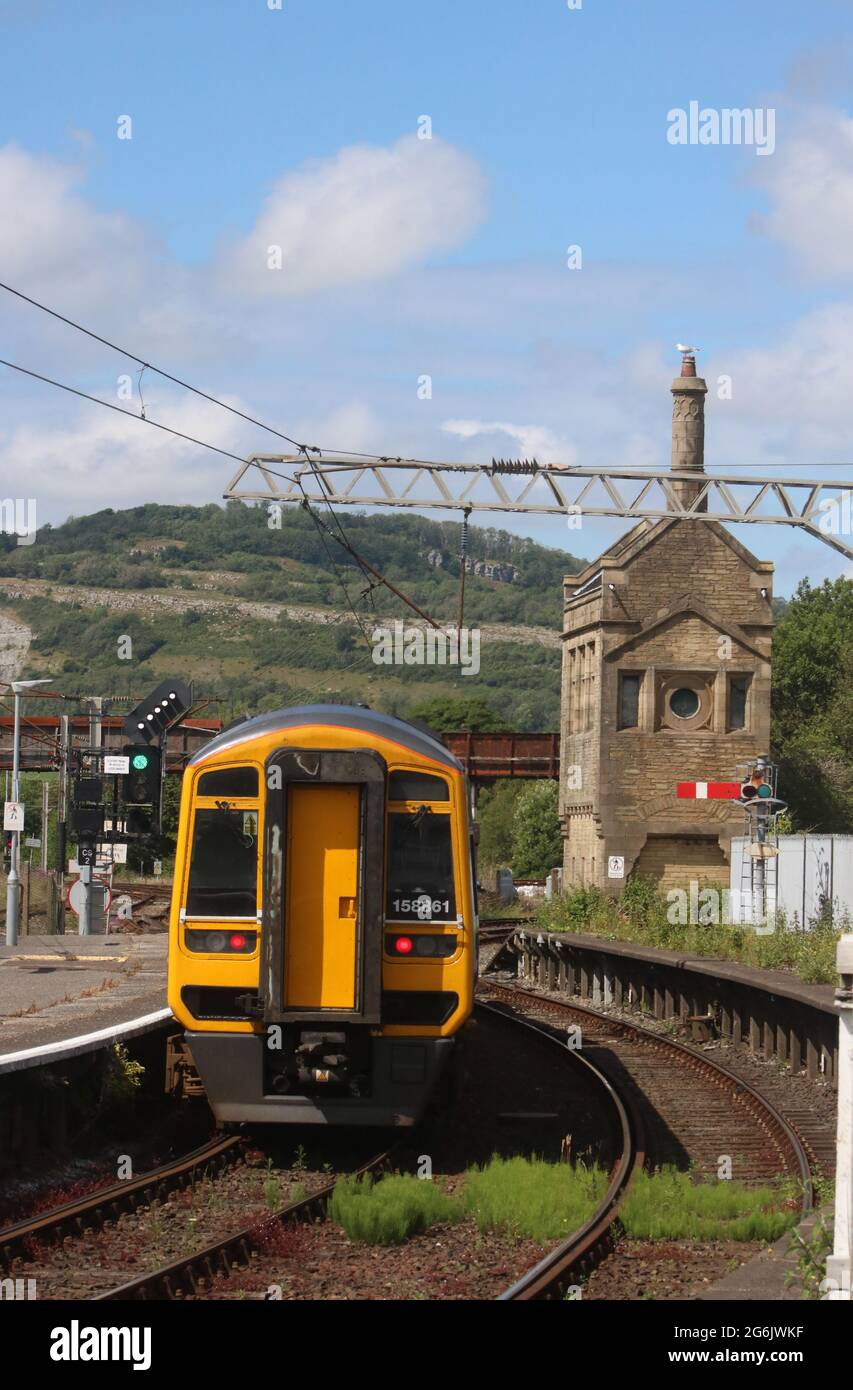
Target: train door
{"type": "Point", "coordinates": [321, 897]}
{"type": "Point", "coordinates": [324, 847]}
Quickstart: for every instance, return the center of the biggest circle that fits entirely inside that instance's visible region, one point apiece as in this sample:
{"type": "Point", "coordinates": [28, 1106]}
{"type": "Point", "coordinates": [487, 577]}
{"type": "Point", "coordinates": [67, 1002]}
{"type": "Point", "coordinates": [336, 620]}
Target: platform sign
{"type": "Point", "coordinates": [113, 854]}
{"type": "Point", "coordinates": [13, 816]}
{"type": "Point", "coordinates": [616, 866]}
{"type": "Point", "coordinates": [116, 765]}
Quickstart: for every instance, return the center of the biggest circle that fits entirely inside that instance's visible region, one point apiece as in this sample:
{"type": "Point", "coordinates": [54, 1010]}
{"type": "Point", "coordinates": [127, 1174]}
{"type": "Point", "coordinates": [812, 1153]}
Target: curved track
{"type": "Point", "coordinates": [620, 1046]}
{"type": "Point", "coordinates": [194, 1274]}
{"type": "Point", "coordinates": [581, 1251]}
{"type": "Point", "coordinates": [622, 1052]}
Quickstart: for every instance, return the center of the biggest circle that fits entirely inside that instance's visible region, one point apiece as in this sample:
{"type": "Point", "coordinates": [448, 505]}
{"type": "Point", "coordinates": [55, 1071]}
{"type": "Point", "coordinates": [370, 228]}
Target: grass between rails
{"type": "Point", "coordinates": [521, 1197]}
{"type": "Point", "coordinates": [642, 915]}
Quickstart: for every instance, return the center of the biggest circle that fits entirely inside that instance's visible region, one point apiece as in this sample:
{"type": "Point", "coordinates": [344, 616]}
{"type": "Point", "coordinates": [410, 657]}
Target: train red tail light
{"type": "Point", "coordinates": [422, 946]}
{"type": "Point", "coordinates": [221, 942]}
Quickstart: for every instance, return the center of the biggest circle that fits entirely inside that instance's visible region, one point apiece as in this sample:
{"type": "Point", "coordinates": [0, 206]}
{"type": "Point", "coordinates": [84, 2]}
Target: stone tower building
{"type": "Point", "coordinates": [666, 678]}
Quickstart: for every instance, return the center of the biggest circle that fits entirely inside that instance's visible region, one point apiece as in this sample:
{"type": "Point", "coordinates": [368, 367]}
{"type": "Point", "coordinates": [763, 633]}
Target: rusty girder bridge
{"type": "Point", "coordinates": [485, 757]}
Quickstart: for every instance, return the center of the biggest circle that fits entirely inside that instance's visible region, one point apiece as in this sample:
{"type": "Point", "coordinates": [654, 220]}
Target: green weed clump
{"type": "Point", "coordinates": [389, 1211]}
{"type": "Point", "coordinates": [530, 1197]}
{"type": "Point", "coordinates": [667, 1205]}
{"type": "Point", "coordinates": [545, 1202]}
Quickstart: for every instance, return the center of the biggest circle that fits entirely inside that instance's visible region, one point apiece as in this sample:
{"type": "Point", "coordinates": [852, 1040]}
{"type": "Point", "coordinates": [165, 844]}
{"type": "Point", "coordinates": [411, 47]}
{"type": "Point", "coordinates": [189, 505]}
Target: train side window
{"type": "Point", "coordinates": [417, 786]}
{"type": "Point", "coordinates": [420, 867]}
{"type": "Point", "coordinates": [228, 781]}
{"type": "Point", "coordinates": [223, 879]}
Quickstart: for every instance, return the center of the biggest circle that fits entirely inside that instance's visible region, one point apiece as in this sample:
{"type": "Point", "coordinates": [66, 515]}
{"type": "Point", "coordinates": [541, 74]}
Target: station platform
{"type": "Point", "coordinates": [64, 995]}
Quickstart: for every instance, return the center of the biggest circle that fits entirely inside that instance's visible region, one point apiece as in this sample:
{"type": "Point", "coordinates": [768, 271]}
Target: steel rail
{"type": "Point", "coordinates": [585, 1248]}
{"type": "Point", "coordinates": [195, 1273]}
{"type": "Point", "coordinates": [560, 1267]}
{"type": "Point", "coordinates": [105, 1204]}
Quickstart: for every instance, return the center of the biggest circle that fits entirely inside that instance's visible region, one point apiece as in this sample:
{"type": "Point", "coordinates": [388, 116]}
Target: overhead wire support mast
{"type": "Point", "coordinates": [821, 507]}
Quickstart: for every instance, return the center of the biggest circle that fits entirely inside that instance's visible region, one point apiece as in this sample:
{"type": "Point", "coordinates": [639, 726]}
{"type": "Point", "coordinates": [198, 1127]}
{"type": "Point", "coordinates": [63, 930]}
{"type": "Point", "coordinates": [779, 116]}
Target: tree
{"type": "Point", "coordinates": [448, 715]}
{"type": "Point", "coordinates": [812, 733]}
{"type": "Point", "coordinates": [537, 844]}
{"type": "Point", "coordinates": [496, 808]}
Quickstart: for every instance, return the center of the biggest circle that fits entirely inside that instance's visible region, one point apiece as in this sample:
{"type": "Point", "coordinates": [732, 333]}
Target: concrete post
{"type": "Point", "coordinates": [13, 883]}
{"type": "Point", "coordinates": [839, 1262]}
{"type": "Point", "coordinates": [86, 901]}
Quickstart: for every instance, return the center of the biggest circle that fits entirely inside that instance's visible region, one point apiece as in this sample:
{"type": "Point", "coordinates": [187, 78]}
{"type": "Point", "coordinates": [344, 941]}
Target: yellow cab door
{"type": "Point", "coordinates": [321, 894]}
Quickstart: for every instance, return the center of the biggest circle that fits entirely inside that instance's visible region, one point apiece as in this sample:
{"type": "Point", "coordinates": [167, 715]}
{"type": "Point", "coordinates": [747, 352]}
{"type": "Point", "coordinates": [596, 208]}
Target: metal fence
{"type": "Point", "coordinates": [814, 877]}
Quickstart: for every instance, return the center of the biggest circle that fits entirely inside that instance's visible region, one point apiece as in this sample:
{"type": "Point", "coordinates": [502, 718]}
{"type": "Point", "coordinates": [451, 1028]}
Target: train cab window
{"type": "Point", "coordinates": [416, 786]}
{"type": "Point", "coordinates": [223, 863]}
{"type": "Point", "coordinates": [420, 867]}
{"type": "Point", "coordinates": [228, 781]}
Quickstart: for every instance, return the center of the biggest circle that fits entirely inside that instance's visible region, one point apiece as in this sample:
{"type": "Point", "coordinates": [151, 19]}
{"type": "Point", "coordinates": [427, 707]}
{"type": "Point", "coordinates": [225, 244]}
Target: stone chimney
{"type": "Point", "coordinates": [688, 427]}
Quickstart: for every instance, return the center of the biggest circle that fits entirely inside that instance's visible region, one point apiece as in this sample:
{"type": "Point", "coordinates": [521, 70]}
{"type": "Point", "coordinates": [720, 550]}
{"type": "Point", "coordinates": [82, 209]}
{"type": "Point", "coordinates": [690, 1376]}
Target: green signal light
{"type": "Point", "coordinates": [140, 761]}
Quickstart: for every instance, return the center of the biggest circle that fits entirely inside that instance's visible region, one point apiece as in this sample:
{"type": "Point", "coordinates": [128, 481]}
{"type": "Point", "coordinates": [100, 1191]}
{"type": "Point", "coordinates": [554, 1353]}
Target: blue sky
{"type": "Point", "coordinates": [253, 126]}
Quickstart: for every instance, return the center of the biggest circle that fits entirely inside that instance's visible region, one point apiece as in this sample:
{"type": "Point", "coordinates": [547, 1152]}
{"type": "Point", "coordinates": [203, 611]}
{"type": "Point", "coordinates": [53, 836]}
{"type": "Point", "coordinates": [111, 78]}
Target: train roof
{"type": "Point", "coordinates": [369, 721]}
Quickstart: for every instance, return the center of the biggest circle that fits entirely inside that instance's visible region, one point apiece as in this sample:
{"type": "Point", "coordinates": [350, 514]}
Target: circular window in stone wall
{"type": "Point", "coordinates": [684, 702]}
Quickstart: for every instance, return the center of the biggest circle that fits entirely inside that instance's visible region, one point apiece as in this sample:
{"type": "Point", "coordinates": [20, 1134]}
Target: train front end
{"type": "Point", "coordinates": [323, 929]}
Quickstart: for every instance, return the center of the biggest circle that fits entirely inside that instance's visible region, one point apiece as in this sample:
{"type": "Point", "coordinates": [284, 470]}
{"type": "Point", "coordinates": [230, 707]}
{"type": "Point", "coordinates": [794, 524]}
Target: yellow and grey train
{"type": "Point", "coordinates": [323, 933]}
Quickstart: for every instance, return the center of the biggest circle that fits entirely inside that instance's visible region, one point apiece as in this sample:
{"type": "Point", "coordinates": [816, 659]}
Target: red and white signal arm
{"type": "Point", "coordinates": [708, 791]}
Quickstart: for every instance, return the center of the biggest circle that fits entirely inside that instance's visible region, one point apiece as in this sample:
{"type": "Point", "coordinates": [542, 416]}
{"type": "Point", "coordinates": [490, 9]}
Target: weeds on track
{"type": "Point", "coordinates": [387, 1212]}
{"type": "Point", "coordinates": [542, 1201]}
{"type": "Point", "coordinates": [667, 1205]}
{"type": "Point", "coordinates": [530, 1197]}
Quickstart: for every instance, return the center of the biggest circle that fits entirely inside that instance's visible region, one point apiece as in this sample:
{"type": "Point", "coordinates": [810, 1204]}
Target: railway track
{"type": "Point", "coordinates": [194, 1275]}
{"type": "Point", "coordinates": [638, 1075]}
{"type": "Point", "coordinates": [500, 928]}
{"type": "Point", "coordinates": [631, 1056]}
{"type": "Point", "coordinates": [578, 1255]}
{"type": "Point", "coordinates": [95, 1209]}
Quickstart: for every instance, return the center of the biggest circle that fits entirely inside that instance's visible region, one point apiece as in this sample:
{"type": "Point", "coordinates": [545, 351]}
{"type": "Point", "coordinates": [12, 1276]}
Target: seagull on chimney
{"type": "Point", "coordinates": [680, 347]}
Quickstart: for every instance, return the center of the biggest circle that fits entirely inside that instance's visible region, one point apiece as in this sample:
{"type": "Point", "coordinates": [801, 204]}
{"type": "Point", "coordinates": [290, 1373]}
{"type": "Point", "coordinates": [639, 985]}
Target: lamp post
{"type": "Point", "coordinates": [13, 883]}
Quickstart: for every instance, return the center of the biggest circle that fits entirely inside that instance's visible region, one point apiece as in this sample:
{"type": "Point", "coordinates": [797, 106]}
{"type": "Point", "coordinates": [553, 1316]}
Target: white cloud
{"type": "Point", "coordinates": [534, 441]}
{"type": "Point", "coordinates": [95, 459]}
{"type": "Point", "coordinates": [364, 214]}
{"type": "Point", "coordinates": [51, 239]}
{"type": "Point", "coordinates": [809, 182]}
